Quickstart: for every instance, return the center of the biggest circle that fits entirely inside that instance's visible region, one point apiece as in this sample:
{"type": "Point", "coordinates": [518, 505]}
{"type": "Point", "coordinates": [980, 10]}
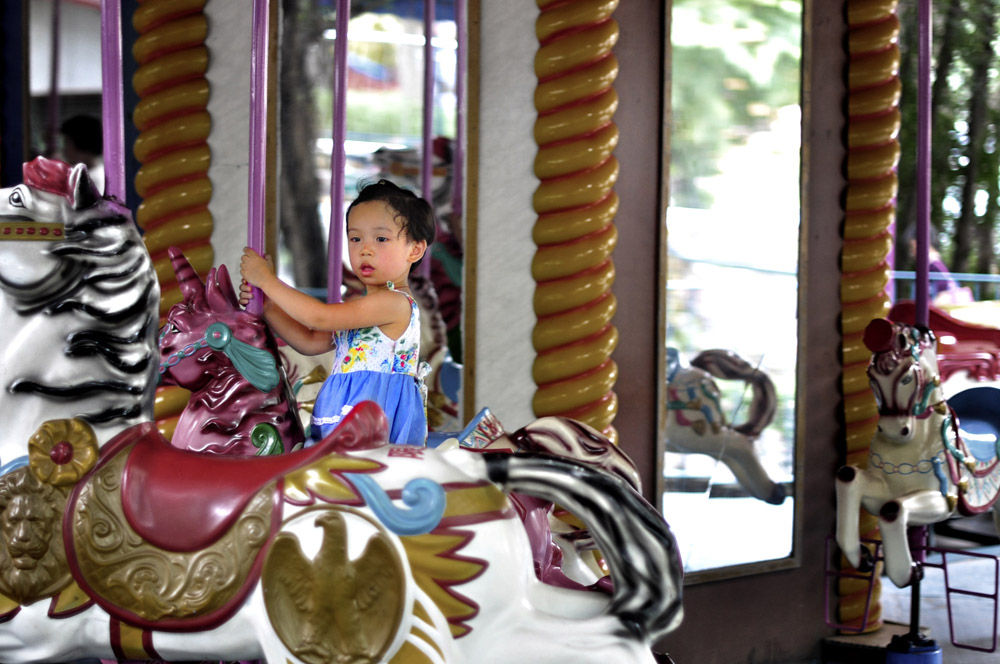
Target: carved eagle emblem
{"type": "Point", "coordinates": [332, 608]}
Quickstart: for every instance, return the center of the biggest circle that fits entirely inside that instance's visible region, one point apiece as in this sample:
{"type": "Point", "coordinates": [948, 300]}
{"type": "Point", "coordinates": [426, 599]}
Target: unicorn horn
{"type": "Point", "coordinates": [187, 279]}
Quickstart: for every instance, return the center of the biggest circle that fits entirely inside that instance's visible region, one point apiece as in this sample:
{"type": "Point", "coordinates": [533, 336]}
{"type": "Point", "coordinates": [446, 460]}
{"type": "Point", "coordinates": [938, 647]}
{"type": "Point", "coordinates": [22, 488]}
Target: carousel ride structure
{"type": "Point", "coordinates": [120, 545]}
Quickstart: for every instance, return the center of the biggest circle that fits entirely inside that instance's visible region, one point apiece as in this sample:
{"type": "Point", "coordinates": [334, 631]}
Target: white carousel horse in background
{"type": "Point", "coordinates": [124, 547]}
{"type": "Point", "coordinates": [697, 425]}
{"type": "Point", "coordinates": [921, 469]}
{"type": "Point", "coordinates": [78, 289]}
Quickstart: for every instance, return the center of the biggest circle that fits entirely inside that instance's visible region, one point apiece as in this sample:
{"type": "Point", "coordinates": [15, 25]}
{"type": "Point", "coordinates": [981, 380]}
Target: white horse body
{"type": "Point", "coordinates": [506, 614]}
{"type": "Point", "coordinates": [84, 299]}
{"type": "Point", "coordinates": [916, 455]}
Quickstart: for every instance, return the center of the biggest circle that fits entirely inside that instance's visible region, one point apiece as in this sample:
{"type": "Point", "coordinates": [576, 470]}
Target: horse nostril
{"type": "Point", "coordinates": [905, 431]}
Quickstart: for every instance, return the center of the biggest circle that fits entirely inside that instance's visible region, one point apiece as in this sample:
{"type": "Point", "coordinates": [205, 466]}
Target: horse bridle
{"type": "Point", "coordinates": [256, 365]}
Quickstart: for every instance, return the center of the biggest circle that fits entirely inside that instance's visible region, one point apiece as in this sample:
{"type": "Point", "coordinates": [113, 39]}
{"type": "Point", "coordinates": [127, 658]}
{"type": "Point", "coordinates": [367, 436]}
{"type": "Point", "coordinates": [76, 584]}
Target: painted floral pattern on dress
{"type": "Point", "coordinates": [368, 349]}
{"type": "Point", "coordinates": [405, 360]}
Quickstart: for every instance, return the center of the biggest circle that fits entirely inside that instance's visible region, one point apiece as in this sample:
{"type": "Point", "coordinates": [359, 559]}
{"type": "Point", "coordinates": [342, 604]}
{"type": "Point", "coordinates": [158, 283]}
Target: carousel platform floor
{"type": "Point", "coordinates": [975, 622]}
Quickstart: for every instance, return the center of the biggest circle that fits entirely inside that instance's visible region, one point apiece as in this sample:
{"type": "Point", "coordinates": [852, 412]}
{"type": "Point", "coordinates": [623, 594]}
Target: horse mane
{"type": "Point", "coordinates": [104, 291]}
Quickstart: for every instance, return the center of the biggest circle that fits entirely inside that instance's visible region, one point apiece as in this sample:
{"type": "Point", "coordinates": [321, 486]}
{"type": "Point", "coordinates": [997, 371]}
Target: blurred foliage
{"type": "Point", "coordinates": [734, 64]}
{"type": "Point", "coordinates": [965, 109]}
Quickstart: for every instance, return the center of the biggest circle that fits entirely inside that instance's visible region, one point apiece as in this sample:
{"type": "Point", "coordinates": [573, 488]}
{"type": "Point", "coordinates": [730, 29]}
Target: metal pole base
{"type": "Point", "coordinates": [912, 649]}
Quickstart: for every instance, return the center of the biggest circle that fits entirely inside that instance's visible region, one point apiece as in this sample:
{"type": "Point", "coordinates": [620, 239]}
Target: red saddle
{"type": "Point", "coordinates": [183, 501]}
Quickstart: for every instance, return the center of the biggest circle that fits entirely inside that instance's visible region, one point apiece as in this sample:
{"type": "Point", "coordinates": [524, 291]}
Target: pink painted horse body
{"type": "Point", "coordinates": [205, 346]}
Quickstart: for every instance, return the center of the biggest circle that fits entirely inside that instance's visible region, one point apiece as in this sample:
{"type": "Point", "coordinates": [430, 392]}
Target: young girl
{"type": "Point", "coordinates": [377, 336]}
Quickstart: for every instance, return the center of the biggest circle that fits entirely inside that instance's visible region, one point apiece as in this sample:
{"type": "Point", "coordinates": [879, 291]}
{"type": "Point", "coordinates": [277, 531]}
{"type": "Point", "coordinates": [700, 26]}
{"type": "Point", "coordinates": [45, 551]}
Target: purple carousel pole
{"type": "Point", "coordinates": [258, 137]}
{"type": "Point", "coordinates": [112, 100]}
{"type": "Point", "coordinates": [427, 153]}
{"type": "Point", "coordinates": [923, 159]}
{"type": "Point", "coordinates": [338, 160]}
{"type": "Point", "coordinates": [52, 121]}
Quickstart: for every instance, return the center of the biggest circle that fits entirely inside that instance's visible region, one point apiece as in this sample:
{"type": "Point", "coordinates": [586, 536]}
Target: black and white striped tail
{"type": "Point", "coordinates": [634, 539]}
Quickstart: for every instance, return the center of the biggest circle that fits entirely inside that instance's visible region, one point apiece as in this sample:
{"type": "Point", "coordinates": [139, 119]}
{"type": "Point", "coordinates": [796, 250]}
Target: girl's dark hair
{"type": "Point", "coordinates": [414, 214]}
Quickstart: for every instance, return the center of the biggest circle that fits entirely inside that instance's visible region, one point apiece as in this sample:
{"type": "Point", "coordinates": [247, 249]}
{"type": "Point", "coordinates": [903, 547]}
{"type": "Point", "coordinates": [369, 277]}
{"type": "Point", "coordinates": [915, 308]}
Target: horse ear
{"type": "Point", "coordinates": [188, 280]}
{"type": "Point", "coordinates": [84, 193]}
{"type": "Point", "coordinates": [226, 285]}
{"type": "Point", "coordinates": [878, 335]}
{"type": "Point", "coordinates": [219, 291]}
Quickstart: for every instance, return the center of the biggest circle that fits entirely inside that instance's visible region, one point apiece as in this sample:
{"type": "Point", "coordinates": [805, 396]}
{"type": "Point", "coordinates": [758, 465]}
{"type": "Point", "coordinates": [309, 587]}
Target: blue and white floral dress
{"type": "Point", "coordinates": [369, 366]}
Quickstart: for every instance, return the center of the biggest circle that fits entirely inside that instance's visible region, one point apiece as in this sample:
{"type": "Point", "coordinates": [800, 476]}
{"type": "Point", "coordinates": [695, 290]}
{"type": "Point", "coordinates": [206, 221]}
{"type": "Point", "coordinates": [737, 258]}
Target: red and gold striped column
{"type": "Point", "coordinates": [173, 122]}
{"type": "Point", "coordinates": [873, 150]}
{"type": "Point", "coordinates": [576, 206]}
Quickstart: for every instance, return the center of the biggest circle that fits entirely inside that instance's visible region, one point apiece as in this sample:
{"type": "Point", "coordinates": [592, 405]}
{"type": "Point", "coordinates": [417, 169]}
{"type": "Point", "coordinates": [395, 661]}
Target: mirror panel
{"type": "Point", "coordinates": [731, 293]}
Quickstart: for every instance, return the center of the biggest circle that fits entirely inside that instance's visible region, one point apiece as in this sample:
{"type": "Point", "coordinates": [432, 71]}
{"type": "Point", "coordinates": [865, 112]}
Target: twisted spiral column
{"type": "Point", "coordinates": [172, 146]}
{"type": "Point", "coordinates": [173, 123]}
{"type": "Point", "coordinates": [874, 119]}
{"type": "Point", "coordinates": [575, 232]}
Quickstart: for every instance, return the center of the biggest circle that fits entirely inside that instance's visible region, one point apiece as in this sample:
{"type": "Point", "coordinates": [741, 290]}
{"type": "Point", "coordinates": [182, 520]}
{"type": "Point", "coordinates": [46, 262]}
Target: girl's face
{"type": "Point", "coordinates": [379, 249]}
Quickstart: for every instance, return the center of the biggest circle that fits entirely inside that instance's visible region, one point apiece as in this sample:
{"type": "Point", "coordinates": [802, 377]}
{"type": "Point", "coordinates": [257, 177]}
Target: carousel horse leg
{"type": "Point", "coordinates": [739, 455]}
{"type": "Point", "coordinates": [852, 487]}
{"type": "Point", "coordinates": [916, 509]}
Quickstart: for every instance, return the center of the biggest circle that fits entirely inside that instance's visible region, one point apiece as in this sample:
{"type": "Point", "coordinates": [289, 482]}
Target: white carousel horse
{"type": "Point", "coordinates": [122, 546]}
{"type": "Point", "coordinates": [920, 469]}
{"type": "Point", "coordinates": [697, 425]}
{"type": "Point", "coordinates": [155, 552]}
{"type": "Point", "coordinates": [78, 289]}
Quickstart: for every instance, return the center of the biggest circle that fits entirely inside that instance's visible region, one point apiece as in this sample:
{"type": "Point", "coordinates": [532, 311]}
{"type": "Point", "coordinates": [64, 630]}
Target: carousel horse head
{"type": "Point", "coordinates": [228, 358]}
{"type": "Point", "coordinates": [77, 299]}
{"type": "Point", "coordinates": [904, 376]}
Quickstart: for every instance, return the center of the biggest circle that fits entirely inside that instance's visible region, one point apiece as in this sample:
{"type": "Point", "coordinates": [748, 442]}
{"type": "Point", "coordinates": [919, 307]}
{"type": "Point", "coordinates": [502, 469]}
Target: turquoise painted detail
{"type": "Point", "coordinates": [950, 446]}
{"type": "Point", "coordinates": [266, 439]}
{"type": "Point", "coordinates": [714, 399]}
{"type": "Point", "coordinates": [11, 466]}
{"type": "Point", "coordinates": [942, 474]}
{"type": "Point", "coordinates": [424, 497]}
{"type": "Point", "coordinates": [255, 364]}
{"type": "Point", "coordinates": [921, 407]}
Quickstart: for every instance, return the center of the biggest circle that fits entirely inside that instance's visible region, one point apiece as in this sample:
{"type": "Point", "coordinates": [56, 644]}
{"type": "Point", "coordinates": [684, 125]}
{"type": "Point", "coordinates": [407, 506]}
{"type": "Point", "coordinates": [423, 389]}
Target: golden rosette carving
{"type": "Point", "coordinates": [62, 451]}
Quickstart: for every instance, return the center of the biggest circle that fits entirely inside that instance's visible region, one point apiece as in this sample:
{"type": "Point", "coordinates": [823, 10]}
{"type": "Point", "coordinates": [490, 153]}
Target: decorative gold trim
{"type": "Point", "coordinates": [69, 600]}
{"type": "Point", "coordinates": [470, 275]}
{"type": "Point", "coordinates": [150, 582]}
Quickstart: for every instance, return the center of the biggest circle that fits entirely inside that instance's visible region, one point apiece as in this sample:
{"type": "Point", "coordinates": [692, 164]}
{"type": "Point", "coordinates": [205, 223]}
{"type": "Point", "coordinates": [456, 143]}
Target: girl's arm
{"type": "Point", "coordinates": [294, 333]}
{"type": "Point", "coordinates": [375, 309]}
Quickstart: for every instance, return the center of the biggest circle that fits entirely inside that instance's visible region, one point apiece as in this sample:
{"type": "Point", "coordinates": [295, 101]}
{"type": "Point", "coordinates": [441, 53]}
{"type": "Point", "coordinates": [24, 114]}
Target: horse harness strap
{"type": "Point", "coordinates": [256, 365]}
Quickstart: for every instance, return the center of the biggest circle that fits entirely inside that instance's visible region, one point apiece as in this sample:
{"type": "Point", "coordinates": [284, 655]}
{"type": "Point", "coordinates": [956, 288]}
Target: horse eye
{"type": "Point", "coordinates": [907, 379]}
{"type": "Point", "coordinates": [16, 199]}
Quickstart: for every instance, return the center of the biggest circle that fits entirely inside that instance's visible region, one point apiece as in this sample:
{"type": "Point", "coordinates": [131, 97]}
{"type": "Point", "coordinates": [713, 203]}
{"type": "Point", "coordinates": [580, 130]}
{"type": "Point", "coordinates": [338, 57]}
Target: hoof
{"type": "Point", "coordinates": [867, 561]}
{"type": "Point", "coordinates": [890, 511]}
{"type": "Point", "coordinates": [915, 575]}
{"type": "Point", "coordinates": [778, 495]}
{"type": "Point", "coordinates": [847, 473]}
